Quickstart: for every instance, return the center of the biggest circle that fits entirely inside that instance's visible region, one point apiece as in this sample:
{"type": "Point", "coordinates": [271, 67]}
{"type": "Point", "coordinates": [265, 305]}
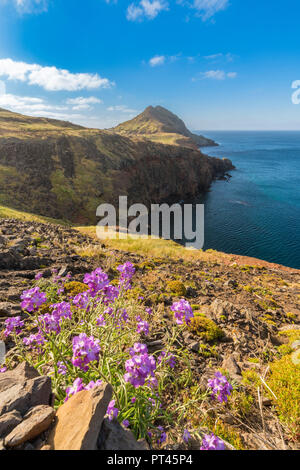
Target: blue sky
{"type": "Point", "coordinates": [218, 64]}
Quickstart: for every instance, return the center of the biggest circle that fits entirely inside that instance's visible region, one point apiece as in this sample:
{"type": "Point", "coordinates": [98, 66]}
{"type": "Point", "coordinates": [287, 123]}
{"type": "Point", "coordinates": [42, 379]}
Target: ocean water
{"type": "Point", "coordinates": [256, 213]}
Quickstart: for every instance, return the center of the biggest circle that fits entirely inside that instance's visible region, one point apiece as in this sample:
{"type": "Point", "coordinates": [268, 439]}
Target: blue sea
{"type": "Point", "coordinates": [257, 212]}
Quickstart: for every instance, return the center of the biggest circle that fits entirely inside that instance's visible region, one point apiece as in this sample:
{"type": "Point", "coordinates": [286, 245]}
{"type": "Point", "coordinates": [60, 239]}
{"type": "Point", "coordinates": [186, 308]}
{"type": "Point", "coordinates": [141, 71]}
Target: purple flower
{"type": "Point", "coordinates": [93, 384]}
{"type": "Point", "coordinates": [125, 423]}
{"type": "Point", "coordinates": [50, 322]}
{"type": "Point", "coordinates": [140, 367]}
{"type": "Point", "coordinates": [14, 324]}
{"type": "Point", "coordinates": [142, 326]}
{"type": "Point", "coordinates": [101, 321]}
{"type": "Point", "coordinates": [182, 311]}
{"type": "Point", "coordinates": [38, 276]}
{"type": "Point", "coordinates": [221, 388]}
{"type": "Point", "coordinates": [110, 294]}
{"type": "Point", "coordinates": [61, 368]}
{"type": "Point", "coordinates": [163, 436]}
{"type": "Point", "coordinates": [62, 309]}
{"type": "Point", "coordinates": [85, 350]}
{"type": "Point", "coordinates": [82, 300]}
{"type": "Point", "coordinates": [149, 311]}
{"type": "Point", "coordinates": [133, 399]}
{"type": "Point", "coordinates": [34, 340]}
{"type": "Point", "coordinates": [212, 442]}
{"type": "Point", "coordinates": [96, 281]}
{"type": "Point", "coordinates": [111, 411]}
{"type": "Point", "coordinates": [77, 386]}
{"type": "Point", "coordinates": [32, 299]}
{"type": "Point", "coordinates": [3, 369]}
{"type": "Point", "coordinates": [126, 270]}
{"type": "Point", "coordinates": [186, 436]}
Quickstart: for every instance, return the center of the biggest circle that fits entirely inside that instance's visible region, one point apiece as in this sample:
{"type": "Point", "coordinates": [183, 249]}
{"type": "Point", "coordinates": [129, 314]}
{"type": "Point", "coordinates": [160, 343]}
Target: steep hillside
{"type": "Point", "coordinates": [160, 125]}
{"type": "Point", "coordinates": [61, 170]}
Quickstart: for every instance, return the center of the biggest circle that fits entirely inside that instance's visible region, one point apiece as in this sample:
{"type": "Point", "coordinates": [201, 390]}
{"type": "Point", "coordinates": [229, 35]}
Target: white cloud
{"type": "Point", "coordinates": [145, 9]}
{"type": "Point", "coordinates": [216, 75]}
{"type": "Point", "coordinates": [157, 60]}
{"type": "Point", "coordinates": [51, 78]}
{"type": "Point", "coordinates": [122, 109]}
{"type": "Point", "coordinates": [83, 103]}
{"type": "Point", "coordinates": [31, 6]}
{"type": "Point", "coordinates": [27, 104]}
{"type": "Point", "coordinates": [208, 8]}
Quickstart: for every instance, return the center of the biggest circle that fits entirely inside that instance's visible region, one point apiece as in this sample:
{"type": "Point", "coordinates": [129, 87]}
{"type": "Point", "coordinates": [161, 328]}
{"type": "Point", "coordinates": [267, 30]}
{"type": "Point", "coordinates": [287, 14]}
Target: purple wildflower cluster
{"type": "Point", "coordinates": [85, 350]}
{"type": "Point", "coordinates": [212, 442]}
{"type": "Point", "coordinates": [51, 321]}
{"type": "Point", "coordinates": [32, 299]}
{"type": "Point", "coordinates": [78, 386]}
{"type": "Point", "coordinates": [221, 388]}
{"type": "Point", "coordinates": [34, 341]}
{"type": "Point", "coordinates": [126, 270]}
{"type": "Point", "coordinates": [183, 312]}
{"type": "Point", "coordinates": [142, 326]}
{"type": "Point", "coordinates": [13, 325]}
{"type": "Point", "coordinates": [111, 411]}
{"type": "Point", "coordinates": [140, 367]}
{"type": "Point", "coordinates": [96, 281]}
{"type": "Point", "coordinates": [163, 436]}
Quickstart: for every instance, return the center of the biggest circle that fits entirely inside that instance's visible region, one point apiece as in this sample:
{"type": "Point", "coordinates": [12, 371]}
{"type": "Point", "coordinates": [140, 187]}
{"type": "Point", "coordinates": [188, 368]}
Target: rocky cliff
{"type": "Point", "coordinates": [160, 125]}
{"type": "Point", "coordinates": [60, 170]}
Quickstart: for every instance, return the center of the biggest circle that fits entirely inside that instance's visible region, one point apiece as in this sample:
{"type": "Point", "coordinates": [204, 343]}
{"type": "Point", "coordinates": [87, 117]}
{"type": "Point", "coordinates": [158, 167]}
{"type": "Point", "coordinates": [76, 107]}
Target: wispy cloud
{"type": "Point", "coordinates": [220, 56]}
{"type": "Point", "coordinates": [31, 6]}
{"type": "Point", "coordinates": [206, 9]}
{"type": "Point", "coordinates": [83, 103]}
{"type": "Point", "coordinates": [145, 9]}
{"type": "Point", "coordinates": [122, 108]}
{"type": "Point", "coordinates": [157, 60]}
{"type": "Point", "coordinates": [51, 78]}
{"type": "Point", "coordinates": [28, 104]}
{"type": "Point", "coordinates": [215, 75]}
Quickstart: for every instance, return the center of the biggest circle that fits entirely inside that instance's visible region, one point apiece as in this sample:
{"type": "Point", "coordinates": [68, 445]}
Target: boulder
{"type": "Point", "coordinates": [23, 388]}
{"type": "Point", "coordinates": [36, 421]}
{"type": "Point", "coordinates": [9, 421]}
{"type": "Point", "coordinates": [115, 437]}
{"type": "Point", "coordinates": [230, 364]}
{"type": "Point", "coordinates": [79, 420]}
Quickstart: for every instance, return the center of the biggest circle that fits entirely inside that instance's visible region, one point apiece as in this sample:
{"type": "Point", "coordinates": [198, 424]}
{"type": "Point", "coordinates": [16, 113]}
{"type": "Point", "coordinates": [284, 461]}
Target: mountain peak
{"type": "Point", "coordinates": [158, 124]}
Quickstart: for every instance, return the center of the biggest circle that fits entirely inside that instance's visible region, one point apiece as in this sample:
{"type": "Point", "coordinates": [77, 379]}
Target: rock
{"type": "Point", "coordinates": [63, 271]}
{"type": "Point", "coordinates": [24, 371]}
{"type": "Point", "coordinates": [222, 308]}
{"type": "Point", "coordinates": [36, 421]}
{"type": "Point", "coordinates": [194, 346]}
{"type": "Point", "coordinates": [9, 421]}
{"type": "Point", "coordinates": [115, 437]}
{"type": "Point", "coordinates": [8, 309]}
{"type": "Point", "coordinates": [79, 420]}
{"type": "Point", "coordinates": [23, 388]}
{"type": "Point", "coordinates": [40, 390]}
{"type": "Point", "coordinates": [2, 444]}
{"type": "Point", "coordinates": [45, 447]}
{"type": "Point", "coordinates": [2, 352]}
{"type": "Point", "coordinates": [230, 364]}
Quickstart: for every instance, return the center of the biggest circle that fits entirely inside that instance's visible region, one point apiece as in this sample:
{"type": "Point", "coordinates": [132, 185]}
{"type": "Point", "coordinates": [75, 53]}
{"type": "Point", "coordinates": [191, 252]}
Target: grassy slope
{"type": "Point", "coordinates": [8, 213]}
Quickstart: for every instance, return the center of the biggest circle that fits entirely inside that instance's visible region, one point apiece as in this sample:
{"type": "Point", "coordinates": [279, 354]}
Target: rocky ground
{"type": "Point", "coordinates": [244, 310]}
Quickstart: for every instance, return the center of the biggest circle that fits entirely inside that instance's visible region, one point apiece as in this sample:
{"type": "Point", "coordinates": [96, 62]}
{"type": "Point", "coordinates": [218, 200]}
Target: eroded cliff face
{"type": "Point", "coordinates": [69, 176]}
